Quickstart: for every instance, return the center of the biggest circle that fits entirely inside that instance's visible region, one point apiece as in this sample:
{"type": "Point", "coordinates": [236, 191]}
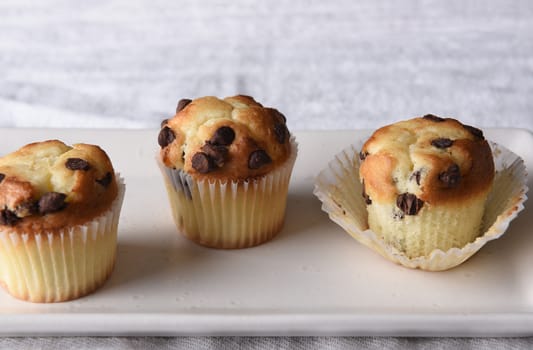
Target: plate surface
{"type": "Point", "coordinates": [312, 279]}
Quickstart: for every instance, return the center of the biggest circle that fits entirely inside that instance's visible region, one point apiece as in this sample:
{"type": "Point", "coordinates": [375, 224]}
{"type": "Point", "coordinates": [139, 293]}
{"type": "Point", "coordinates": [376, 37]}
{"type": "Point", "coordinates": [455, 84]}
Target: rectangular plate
{"type": "Point", "coordinates": [312, 279]}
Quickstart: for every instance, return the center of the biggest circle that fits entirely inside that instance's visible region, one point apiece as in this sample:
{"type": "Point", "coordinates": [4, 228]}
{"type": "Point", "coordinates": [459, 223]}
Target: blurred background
{"type": "Point", "coordinates": [325, 64]}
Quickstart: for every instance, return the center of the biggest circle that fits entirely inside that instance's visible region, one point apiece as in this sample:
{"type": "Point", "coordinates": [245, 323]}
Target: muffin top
{"type": "Point", "coordinates": [45, 186]}
{"type": "Point", "coordinates": [425, 160]}
{"type": "Point", "coordinates": [232, 138]}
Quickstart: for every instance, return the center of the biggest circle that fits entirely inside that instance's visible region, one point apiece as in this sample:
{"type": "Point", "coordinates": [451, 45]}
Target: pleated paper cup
{"type": "Point", "coordinates": [229, 214]}
{"type": "Point", "coordinates": [339, 189]}
{"type": "Point", "coordinates": [46, 267]}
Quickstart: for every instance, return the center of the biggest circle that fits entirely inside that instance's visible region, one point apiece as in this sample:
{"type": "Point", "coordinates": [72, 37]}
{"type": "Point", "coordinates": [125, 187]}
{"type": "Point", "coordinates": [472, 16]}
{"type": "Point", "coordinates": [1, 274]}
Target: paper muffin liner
{"type": "Point", "coordinates": [339, 189]}
{"type": "Point", "coordinates": [50, 267]}
{"type": "Point", "coordinates": [229, 214]}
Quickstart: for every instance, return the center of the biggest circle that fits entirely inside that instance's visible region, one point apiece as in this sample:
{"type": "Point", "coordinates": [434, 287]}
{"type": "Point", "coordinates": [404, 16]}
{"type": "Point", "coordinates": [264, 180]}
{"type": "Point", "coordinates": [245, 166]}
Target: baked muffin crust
{"type": "Point", "coordinates": [48, 185]}
{"type": "Point", "coordinates": [438, 160]}
{"type": "Point", "coordinates": [232, 138]}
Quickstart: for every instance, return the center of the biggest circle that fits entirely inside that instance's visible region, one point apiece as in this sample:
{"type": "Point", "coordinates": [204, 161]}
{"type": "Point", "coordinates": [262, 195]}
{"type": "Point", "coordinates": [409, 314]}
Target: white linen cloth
{"type": "Point", "coordinates": [326, 65]}
{"type": "Point", "coordinates": [261, 343]}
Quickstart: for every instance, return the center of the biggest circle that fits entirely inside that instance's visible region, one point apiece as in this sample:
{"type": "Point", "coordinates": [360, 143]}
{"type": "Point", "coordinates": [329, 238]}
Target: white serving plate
{"type": "Point", "coordinates": [312, 279]}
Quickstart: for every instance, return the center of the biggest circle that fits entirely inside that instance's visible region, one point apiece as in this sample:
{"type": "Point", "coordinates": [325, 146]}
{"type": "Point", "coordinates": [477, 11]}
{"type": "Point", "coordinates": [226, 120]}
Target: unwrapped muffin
{"type": "Point", "coordinates": [425, 193]}
{"type": "Point", "coordinates": [227, 165]}
{"type": "Point", "coordinates": [425, 183]}
{"type": "Point", "coordinates": [59, 210]}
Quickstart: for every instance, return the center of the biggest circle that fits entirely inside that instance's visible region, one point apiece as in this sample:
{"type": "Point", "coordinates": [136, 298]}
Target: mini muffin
{"type": "Point", "coordinates": [425, 183]}
{"type": "Point", "coordinates": [227, 165]}
{"type": "Point", "coordinates": [425, 193]}
{"type": "Point", "coordinates": [58, 220]}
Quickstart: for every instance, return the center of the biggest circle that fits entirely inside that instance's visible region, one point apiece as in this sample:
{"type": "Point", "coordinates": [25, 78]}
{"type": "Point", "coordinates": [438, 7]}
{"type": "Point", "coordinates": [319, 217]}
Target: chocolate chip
{"type": "Point", "coordinates": [182, 104]}
{"type": "Point", "coordinates": [398, 215]}
{"type": "Point", "coordinates": [224, 136]}
{"type": "Point", "coordinates": [2, 177]}
{"type": "Point", "coordinates": [280, 131]}
{"type": "Point", "coordinates": [442, 142]}
{"type": "Point", "coordinates": [416, 176]}
{"type": "Point", "coordinates": [77, 164]}
{"type": "Point", "coordinates": [363, 155]}
{"type": "Point", "coordinates": [279, 114]}
{"type": "Point", "coordinates": [258, 158]}
{"type": "Point", "coordinates": [27, 208]}
{"type": "Point", "coordinates": [433, 118]}
{"type": "Point", "coordinates": [180, 183]}
{"type": "Point", "coordinates": [409, 204]}
{"type": "Point", "coordinates": [7, 217]}
{"type": "Point", "coordinates": [164, 122]}
{"type": "Point", "coordinates": [366, 196]}
{"type": "Point", "coordinates": [451, 176]}
{"type": "Point", "coordinates": [474, 131]}
{"type": "Point", "coordinates": [217, 153]}
{"type": "Point", "coordinates": [166, 136]}
{"type": "Point", "coordinates": [106, 180]}
{"type": "Point", "coordinates": [51, 202]}
{"type": "Point", "coordinates": [187, 190]}
{"type": "Point", "coordinates": [202, 163]}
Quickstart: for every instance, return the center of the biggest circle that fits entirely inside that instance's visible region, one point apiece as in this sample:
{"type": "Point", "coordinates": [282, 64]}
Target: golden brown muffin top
{"type": "Point", "coordinates": [232, 138]}
{"type": "Point", "coordinates": [46, 186]}
{"type": "Point", "coordinates": [425, 160]}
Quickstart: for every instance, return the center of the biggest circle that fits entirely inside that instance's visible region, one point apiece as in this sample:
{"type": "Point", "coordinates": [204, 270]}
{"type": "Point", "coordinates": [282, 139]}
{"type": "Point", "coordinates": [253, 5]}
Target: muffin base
{"type": "Point", "coordinates": [229, 214]}
{"type": "Point", "coordinates": [53, 267]}
{"type": "Point", "coordinates": [419, 235]}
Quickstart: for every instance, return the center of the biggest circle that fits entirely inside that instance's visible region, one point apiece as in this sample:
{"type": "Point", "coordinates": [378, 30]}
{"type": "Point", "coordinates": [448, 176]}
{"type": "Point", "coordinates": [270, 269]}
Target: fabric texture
{"type": "Point", "coordinates": [326, 65]}
{"type": "Point", "coordinates": [260, 343]}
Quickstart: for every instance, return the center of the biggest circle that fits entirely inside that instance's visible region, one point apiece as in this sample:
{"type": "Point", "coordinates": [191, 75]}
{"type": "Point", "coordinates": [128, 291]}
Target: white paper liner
{"type": "Point", "coordinates": [339, 189]}
{"type": "Point", "coordinates": [51, 267]}
{"type": "Point", "coordinates": [229, 214]}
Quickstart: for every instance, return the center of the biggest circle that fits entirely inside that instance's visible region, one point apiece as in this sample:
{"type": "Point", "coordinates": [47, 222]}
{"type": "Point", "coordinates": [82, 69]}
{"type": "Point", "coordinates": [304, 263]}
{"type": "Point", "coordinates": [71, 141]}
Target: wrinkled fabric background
{"type": "Point", "coordinates": [326, 65]}
{"type": "Point", "coordinates": [296, 343]}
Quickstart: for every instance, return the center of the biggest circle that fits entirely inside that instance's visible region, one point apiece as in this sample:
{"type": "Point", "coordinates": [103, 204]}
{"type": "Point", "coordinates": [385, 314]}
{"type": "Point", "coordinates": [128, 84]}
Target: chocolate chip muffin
{"type": "Point", "coordinates": [227, 165]}
{"type": "Point", "coordinates": [59, 209]}
{"type": "Point", "coordinates": [425, 182]}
